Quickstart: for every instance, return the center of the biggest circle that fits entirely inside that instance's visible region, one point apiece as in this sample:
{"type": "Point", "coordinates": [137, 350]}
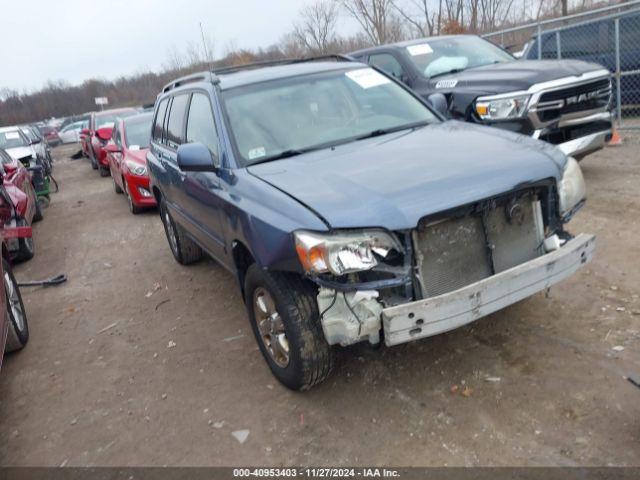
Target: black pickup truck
{"type": "Point", "coordinates": [563, 102]}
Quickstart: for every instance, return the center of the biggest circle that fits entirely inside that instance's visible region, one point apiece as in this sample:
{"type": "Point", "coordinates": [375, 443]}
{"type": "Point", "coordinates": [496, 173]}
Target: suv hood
{"type": "Point", "coordinates": [394, 180]}
{"type": "Point", "coordinates": [513, 76]}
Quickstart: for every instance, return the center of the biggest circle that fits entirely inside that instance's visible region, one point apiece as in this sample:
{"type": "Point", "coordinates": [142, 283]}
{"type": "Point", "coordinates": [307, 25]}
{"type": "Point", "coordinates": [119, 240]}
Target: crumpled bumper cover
{"type": "Point", "coordinates": [425, 318]}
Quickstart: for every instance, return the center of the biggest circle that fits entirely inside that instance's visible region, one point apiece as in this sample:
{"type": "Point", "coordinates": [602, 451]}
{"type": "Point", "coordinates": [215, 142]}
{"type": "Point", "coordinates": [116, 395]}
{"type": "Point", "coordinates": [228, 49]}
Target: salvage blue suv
{"type": "Point", "coordinates": [349, 211]}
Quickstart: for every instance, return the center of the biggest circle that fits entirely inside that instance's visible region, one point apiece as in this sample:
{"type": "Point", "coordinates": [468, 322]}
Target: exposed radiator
{"type": "Point", "coordinates": [458, 251]}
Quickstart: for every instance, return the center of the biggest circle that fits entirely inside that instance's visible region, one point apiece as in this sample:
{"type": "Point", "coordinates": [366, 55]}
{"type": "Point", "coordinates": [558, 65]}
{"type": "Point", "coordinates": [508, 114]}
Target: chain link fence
{"type": "Point", "coordinates": [609, 36]}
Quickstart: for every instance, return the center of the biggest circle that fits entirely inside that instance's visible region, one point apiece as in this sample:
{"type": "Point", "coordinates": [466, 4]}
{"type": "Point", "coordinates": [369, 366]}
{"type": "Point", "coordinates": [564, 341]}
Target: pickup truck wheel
{"type": "Point", "coordinates": [26, 248]}
{"type": "Point", "coordinates": [184, 250]}
{"type": "Point", "coordinates": [284, 316]}
{"type": "Point", "coordinates": [18, 334]}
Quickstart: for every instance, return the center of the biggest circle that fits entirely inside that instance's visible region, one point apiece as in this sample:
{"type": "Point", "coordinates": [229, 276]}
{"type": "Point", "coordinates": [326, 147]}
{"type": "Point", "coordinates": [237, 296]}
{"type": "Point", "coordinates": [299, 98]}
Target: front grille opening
{"type": "Point", "coordinates": [494, 236]}
{"type": "Point", "coordinates": [565, 134]}
{"type": "Point", "coordinates": [572, 99]}
{"type": "Point", "coordinates": [575, 90]}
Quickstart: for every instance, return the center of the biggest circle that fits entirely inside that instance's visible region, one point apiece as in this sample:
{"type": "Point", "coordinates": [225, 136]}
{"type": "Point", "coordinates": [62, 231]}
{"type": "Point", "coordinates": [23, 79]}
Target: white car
{"type": "Point", "coordinates": [71, 133]}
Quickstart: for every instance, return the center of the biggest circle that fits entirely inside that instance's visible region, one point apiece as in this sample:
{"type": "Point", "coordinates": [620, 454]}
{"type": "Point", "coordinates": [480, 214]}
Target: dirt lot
{"type": "Point", "coordinates": [101, 382]}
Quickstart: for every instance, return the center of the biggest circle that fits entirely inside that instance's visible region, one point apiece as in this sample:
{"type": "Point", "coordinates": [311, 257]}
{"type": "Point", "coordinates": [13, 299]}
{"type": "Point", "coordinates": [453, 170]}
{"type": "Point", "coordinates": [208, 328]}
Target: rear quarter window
{"type": "Point", "coordinates": [175, 123]}
{"type": "Point", "coordinates": [158, 123]}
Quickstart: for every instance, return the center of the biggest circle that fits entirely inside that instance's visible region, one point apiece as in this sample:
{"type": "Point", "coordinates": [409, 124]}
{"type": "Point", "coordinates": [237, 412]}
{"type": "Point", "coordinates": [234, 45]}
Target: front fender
{"type": "Point", "coordinates": [263, 218]}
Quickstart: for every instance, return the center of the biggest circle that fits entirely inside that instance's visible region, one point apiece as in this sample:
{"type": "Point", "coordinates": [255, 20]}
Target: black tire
{"type": "Point", "coordinates": [44, 201]}
{"type": "Point", "coordinates": [18, 334]}
{"type": "Point", "coordinates": [38, 215]}
{"type": "Point", "coordinates": [311, 358]}
{"type": "Point", "coordinates": [92, 157]}
{"type": "Point", "coordinates": [104, 172]}
{"type": "Point", "coordinates": [26, 247]}
{"type": "Point", "coordinates": [184, 250]}
{"type": "Point", "coordinates": [116, 187]}
{"type": "Point", "coordinates": [133, 208]}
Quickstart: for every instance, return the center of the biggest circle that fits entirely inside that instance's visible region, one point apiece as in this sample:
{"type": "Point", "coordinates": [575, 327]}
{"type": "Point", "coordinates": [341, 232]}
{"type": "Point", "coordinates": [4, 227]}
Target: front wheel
{"type": "Point", "coordinates": [284, 316]}
{"type": "Point", "coordinates": [116, 187]}
{"type": "Point", "coordinates": [26, 247]}
{"type": "Point", "coordinates": [104, 172]}
{"type": "Point", "coordinates": [133, 208]}
{"type": "Point", "coordinates": [18, 334]}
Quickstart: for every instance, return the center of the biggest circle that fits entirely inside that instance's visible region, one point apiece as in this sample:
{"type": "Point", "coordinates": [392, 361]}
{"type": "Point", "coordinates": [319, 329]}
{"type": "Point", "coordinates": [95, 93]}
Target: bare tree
{"type": "Point", "coordinates": [376, 18]}
{"type": "Point", "coordinates": [316, 28]}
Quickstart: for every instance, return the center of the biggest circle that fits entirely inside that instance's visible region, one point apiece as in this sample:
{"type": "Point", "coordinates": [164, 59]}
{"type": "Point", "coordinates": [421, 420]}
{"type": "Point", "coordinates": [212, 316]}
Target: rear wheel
{"type": "Point", "coordinates": [18, 334]}
{"type": "Point", "coordinates": [184, 250]}
{"type": "Point", "coordinates": [284, 316]}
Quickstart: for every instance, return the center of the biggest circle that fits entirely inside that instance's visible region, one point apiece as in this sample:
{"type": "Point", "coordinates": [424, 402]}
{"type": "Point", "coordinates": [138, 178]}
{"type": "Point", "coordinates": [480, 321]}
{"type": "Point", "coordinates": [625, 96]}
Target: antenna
{"type": "Point", "coordinates": [206, 50]}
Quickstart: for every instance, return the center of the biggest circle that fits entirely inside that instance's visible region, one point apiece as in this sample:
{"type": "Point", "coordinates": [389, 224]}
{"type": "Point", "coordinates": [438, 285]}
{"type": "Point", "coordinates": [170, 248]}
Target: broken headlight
{"type": "Point", "coordinates": [571, 188]}
{"type": "Point", "coordinates": [343, 252]}
{"type": "Point", "coordinates": [501, 107]}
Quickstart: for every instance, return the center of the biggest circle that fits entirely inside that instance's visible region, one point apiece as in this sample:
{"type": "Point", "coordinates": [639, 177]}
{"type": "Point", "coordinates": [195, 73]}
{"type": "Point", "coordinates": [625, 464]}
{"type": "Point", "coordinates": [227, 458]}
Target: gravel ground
{"type": "Point", "coordinates": [139, 361]}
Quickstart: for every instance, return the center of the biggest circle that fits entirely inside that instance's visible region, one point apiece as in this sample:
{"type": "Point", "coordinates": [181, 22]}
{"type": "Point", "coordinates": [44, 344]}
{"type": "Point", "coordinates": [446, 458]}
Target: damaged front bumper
{"type": "Point", "coordinates": [431, 316]}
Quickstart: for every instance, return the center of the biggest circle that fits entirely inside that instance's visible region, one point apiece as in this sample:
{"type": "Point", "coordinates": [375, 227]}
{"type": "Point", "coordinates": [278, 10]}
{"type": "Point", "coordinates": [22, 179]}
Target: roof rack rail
{"type": "Point", "coordinates": [194, 77]}
{"type": "Point", "coordinates": [284, 61]}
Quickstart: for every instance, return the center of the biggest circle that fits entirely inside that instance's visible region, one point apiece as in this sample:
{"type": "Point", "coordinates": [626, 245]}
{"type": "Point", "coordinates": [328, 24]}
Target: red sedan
{"type": "Point", "coordinates": [16, 181]}
{"type": "Point", "coordinates": [98, 134]}
{"type": "Point", "coordinates": [14, 330]}
{"type": "Point", "coordinates": [127, 159]}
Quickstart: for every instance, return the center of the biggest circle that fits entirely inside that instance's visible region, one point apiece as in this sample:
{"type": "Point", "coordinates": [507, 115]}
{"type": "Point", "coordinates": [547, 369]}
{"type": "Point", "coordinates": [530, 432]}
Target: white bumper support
{"type": "Point", "coordinates": [425, 318]}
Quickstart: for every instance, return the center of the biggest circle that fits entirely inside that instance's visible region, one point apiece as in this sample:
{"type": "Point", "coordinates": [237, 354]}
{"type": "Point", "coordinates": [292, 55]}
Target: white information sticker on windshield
{"type": "Point", "coordinates": [12, 135]}
{"type": "Point", "coordinates": [257, 153]}
{"type": "Point", "coordinates": [367, 77]}
{"type": "Point", "coordinates": [421, 49]}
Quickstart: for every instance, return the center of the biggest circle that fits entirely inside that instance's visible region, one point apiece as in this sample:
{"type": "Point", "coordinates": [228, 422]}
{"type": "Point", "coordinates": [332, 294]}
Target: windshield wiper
{"type": "Point", "coordinates": [286, 154]}
{"type": "Point", "coordinates": [383, 131]}
{"type": "Point", "coordinates": [455, 70]}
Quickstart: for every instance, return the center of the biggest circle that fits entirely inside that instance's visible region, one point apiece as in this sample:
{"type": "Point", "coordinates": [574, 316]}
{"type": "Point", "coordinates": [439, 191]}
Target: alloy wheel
{"type": "Point", "coordinates": [13, 302]}
{"type": "Point", "coordinates": [271, 327]}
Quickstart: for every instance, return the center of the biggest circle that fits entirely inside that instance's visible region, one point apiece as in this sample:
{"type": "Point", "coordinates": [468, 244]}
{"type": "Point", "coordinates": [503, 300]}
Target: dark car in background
{"type": "Point", "coordinates": [594, 41]}
{"type": "Point", "coordinates": [350, 211]}
{"type": "Point", "coordinates": [565, 103]}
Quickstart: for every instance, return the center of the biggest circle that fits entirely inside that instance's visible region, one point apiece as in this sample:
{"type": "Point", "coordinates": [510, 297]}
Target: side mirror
{"type": "Point", "coordinates": [439, 102]}
{"type": "Point", "coordinates": [35, 141]}
{"type": "Point", "coordinates": [195, 157]}
{"type": "Point", "coordinates": [85, 131]}
{"type": "Point", "coordinates": [112, 148]}
{"type": "Point", "coordinates": [105, 133]}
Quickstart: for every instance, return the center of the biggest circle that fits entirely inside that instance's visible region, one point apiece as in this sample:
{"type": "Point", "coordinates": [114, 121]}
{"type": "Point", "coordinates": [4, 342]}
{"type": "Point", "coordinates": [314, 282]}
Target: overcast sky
{"type": "Point", "coordinates": [74, 40]}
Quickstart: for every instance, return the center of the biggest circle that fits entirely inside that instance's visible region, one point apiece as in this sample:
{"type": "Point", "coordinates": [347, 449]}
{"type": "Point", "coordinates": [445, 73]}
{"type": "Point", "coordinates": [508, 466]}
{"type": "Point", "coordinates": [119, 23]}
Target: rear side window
{"type": "Point", "coordinates": [159, 122]}
{"type": "Point", "coordinates": [201, 126]}
{"type": "Point", "coordinates": [175, 123]}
